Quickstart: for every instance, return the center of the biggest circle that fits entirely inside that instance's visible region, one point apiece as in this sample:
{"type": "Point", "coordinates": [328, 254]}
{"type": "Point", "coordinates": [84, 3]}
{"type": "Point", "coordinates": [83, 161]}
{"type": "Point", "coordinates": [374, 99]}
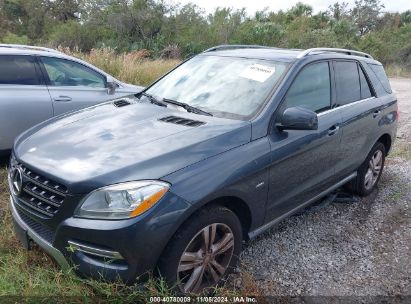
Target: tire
{"type": "Point", "coordinates": [198, 272]}
{"type": "Point", "coordinates": [369, 174]}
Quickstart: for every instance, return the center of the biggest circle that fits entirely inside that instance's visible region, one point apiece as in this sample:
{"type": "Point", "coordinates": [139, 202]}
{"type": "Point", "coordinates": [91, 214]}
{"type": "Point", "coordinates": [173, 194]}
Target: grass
{"type": "Point", "coordinates": [395, 71]}
{"type": "Point", "coordinates": [135, 67]}
{"type": "Point", "coordinates": [401, 150]}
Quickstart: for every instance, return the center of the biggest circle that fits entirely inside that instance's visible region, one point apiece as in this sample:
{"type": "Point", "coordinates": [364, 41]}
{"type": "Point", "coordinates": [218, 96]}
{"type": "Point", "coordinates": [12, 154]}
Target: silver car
{"type": "Point", "coordinates": [38, 83]}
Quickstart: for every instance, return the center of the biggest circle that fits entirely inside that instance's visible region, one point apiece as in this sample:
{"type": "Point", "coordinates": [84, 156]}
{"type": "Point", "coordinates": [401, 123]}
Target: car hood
{"type": "Point", "coordinates": [106, 144]}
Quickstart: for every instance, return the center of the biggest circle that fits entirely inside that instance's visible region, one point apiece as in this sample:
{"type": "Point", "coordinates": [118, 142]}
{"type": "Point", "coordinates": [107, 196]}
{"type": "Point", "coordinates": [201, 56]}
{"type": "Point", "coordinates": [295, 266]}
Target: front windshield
{"type": "Point", "coordinates": [224, 86]}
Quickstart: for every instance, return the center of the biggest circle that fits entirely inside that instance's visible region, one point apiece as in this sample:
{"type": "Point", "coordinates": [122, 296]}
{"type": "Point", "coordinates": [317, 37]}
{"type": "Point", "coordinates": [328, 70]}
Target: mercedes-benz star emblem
{"type": "Point", "coordinates": [17, 181]}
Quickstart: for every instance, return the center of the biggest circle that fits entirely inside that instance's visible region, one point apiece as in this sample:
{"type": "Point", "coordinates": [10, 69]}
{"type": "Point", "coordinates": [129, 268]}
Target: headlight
{"type": "Point", "coordinates": [123, 200]}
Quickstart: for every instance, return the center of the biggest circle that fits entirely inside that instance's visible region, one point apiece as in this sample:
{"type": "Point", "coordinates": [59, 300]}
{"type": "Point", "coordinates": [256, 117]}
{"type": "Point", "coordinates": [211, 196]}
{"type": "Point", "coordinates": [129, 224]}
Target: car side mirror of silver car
{"type": "Point", "coordinates": [298, 118]}
{"type": "Point", "coordinates": [111, 86]}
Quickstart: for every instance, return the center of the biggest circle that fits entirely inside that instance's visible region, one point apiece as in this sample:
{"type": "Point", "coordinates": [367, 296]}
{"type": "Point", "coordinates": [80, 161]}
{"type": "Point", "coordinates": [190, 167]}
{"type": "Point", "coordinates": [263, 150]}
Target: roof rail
{"type": "Point", "coordinates": [236, 46]}
{"type": "Point", "coordinates": [28, 47]}
{"type": "Point", "coordinates": [333, 50]}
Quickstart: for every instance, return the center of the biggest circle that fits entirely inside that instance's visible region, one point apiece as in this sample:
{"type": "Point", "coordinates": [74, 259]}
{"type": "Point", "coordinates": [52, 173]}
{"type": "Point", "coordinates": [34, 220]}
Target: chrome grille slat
{"type": "Point", "coordinates": [36, 208]}
{"type": "Point", "coordinates": [43, 185]}
{"type": "Point", "coordinates": [41, 194]}
{"type": "Point", "coordinates": [42, 198]}
{"type": "Point", "coordinates": [60, 189]}
{"type": "Point", "coordinates": [44, 194]}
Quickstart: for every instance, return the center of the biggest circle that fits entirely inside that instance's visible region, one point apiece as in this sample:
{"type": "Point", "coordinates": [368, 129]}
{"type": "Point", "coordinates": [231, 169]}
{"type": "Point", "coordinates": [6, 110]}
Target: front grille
{"type": "Point", "coordinates": [40, 194]}
{"type": "Point", "coordinates": [43, 231]}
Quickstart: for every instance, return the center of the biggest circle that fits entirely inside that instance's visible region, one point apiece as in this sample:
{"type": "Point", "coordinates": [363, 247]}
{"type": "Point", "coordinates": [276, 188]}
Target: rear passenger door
{"type": "Point", "coordinates": [24, 98]}
{"type": "Point", "coordinates": [360, 111]}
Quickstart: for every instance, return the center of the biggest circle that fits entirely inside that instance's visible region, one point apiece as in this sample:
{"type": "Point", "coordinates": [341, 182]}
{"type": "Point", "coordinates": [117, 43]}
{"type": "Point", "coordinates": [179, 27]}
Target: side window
{"type": "Point", "coordinates": [64, 72]}
{"type": "Point", "coordinates": [311, 88]}
{"type": "Point", "coordinates": [347, 82]}
{"type": "Point", "coordinates": [18, 70]}
{"type": "Point", "coordinates": [365, 87]}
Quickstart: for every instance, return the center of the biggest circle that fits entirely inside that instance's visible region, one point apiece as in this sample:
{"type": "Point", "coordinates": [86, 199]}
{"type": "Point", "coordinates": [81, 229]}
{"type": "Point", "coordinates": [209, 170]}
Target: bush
{"type": "Point", "coordinates": [15, 39]}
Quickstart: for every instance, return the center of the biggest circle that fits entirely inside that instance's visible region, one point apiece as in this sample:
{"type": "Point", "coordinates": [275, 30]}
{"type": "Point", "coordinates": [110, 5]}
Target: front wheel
{"type": "Point", "coordinates": [203, 251]}
{"type": "Point", "coordinates": [370, 171]}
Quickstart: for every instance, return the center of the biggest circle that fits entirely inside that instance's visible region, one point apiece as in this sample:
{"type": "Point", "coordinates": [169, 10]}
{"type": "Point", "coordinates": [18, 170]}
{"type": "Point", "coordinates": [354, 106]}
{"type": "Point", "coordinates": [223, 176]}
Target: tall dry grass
{"type": "Point", "coordinates": [135, 67]}
{"type": "Point", "coordinates": [140, 69]}
{"type": "Point", "coordinates": [395, 70]}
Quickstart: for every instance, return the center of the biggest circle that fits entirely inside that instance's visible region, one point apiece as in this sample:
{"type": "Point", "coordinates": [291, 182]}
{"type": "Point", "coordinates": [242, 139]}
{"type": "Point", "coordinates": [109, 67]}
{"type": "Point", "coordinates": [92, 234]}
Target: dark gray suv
{"type": "Point", "coordinates": [213, 153]}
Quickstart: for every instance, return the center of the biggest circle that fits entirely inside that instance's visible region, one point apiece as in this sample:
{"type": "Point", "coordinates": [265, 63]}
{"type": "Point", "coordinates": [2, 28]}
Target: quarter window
{"type": "Point", "coordinates": [347, 82]}
{"type": "Point", "coordinates": [382, 77]}
{"type": "Point", "coordinates": [63, 72]}
{"type": "Point", "coordinates": [311, 88]}
{"type": "Point", "coordinates": [18, 70]}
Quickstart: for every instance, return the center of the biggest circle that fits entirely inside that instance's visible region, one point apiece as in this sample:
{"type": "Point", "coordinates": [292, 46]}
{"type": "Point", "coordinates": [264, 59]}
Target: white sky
{"type": "Point", "coordinates": [274, 5]}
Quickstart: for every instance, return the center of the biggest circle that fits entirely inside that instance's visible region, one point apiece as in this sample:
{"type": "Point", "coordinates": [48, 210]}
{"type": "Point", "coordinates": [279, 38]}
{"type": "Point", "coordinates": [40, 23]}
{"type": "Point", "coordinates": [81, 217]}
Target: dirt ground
{"type": "Point", "coordinates": [360, 247]}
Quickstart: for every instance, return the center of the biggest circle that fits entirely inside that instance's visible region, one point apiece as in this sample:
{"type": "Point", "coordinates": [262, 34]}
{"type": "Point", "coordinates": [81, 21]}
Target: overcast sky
{"type": "Point", "coordinates": [275, 5]}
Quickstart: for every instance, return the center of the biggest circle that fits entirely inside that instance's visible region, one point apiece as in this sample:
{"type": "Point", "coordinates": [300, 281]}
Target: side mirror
{"type": "Point", "coordinates": [111, 85]}
{"type": "Point", "coordinates": [298, 118]}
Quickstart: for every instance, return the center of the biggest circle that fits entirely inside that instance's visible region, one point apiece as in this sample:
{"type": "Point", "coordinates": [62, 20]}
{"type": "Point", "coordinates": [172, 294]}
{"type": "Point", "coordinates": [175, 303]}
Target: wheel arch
{"type": "Point", "coordinates": [236, 205]}
{"type": "Point", "coordinates": [386, 140]}
{"type": "Point", "coordinates": [233, 203]}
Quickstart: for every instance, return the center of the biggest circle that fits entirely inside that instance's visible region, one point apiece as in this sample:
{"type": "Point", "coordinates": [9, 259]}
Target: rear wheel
{"type": "Point", "coordinates": [203, 252]}
{"type": "Point", "coordinates": [369, 172]}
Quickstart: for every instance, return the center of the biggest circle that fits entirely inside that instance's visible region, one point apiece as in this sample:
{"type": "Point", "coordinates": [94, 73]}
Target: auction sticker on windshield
{"type": "Point", "coordinates": [258, 72]}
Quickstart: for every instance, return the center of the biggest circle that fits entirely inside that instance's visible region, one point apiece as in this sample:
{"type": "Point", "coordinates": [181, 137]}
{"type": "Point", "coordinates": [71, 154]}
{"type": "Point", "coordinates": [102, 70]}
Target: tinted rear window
{"type": "Point", "coordinates": [18, 70]}
{"type": "Point", "coordinates": [347, 82]}
{"type": "Point", "coordinates": [382, 77]}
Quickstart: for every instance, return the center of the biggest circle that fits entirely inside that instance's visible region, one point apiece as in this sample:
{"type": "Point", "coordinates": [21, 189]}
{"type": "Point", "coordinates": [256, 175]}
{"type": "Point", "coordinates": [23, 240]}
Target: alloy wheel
{"type": "Point", "coordinates": [374, 170]}
{"type": "Point", "coordinates": [206, 258]}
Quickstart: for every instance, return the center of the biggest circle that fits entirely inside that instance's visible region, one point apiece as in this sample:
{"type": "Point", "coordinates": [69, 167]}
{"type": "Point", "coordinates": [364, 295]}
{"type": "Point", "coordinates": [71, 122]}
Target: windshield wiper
{"type": "Point", "coordinates": [187, 107]}
{"type": "Point", "coordinates": [155, 101]}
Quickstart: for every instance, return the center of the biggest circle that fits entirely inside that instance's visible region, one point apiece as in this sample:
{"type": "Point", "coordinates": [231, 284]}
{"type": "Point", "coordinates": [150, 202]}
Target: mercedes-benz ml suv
{"type": "Point", "coordinates": [213, 153]}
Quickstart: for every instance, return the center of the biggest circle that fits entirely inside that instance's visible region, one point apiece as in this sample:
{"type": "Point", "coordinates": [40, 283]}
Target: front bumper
{"type": "Point", "coordinates": [107, 249]}
{"type": "Point", "coordinates": [47, 247]}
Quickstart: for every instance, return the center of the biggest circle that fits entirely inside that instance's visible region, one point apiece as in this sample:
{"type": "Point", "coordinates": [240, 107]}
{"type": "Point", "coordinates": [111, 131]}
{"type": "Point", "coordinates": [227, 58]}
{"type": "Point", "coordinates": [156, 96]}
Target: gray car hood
{"type": "Point", "coordinates": [105, 144]}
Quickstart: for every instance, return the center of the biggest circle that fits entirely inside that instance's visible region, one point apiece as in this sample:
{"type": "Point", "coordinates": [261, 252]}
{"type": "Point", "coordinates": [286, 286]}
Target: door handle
{"type": "Point", "coordinates": [376, 113]}
{"type": "Point", "coordinates": [333, 130]}
{"type": "Point", "coordinates": [62, 99]}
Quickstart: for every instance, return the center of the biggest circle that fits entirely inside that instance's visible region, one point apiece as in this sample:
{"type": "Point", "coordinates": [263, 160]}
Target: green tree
{"type": "Point", "coordinates": [339, 11]}
{"type": "Point", "coordinates": [365, 14]}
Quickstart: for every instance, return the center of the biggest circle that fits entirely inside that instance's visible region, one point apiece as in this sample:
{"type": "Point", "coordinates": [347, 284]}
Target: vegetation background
{"type": "Point", "coordinates": [152, 29]}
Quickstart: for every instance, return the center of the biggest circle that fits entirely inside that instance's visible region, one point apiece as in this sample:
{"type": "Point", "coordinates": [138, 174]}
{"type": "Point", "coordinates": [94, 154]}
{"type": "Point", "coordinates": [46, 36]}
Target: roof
{"type": "Point", "coordinates": [10, 49]}
{"type": "Point", "coordinates": [23, 51]}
